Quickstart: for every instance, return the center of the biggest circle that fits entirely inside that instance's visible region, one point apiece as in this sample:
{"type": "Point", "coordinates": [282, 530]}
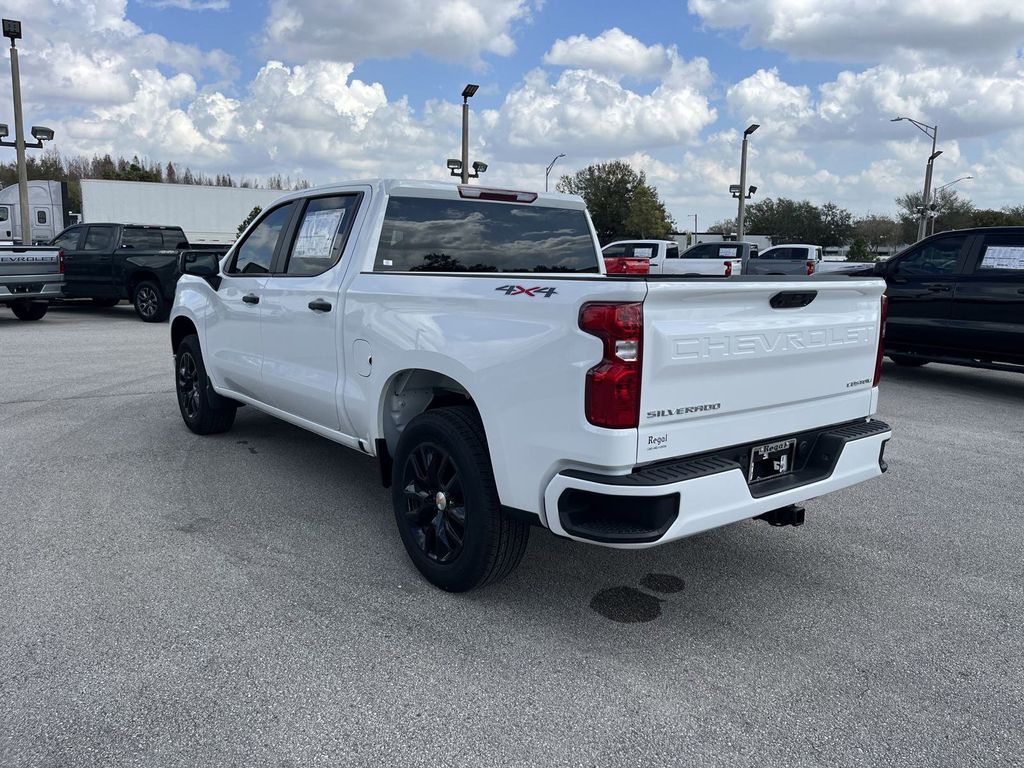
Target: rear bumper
{"type": "Point", "coordinates": [30, 287]}
{"type": "Point", "coordinates": [665, 502]}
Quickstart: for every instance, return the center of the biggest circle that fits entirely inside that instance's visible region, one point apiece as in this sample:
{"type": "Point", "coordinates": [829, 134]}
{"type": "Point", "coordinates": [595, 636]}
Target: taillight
{"type": "Point", "coordinates": [613, 386]}
{"type": "Point", "coordinates": [60, 260]}
{"type": "Point", "coordinates": [623, 265]}
{"type": "Point", "coordinates": [881, 340]}
{"type": "Point", "coordinates": [810, 267]}
{"type": "Point", "coordinates": [728, 268]}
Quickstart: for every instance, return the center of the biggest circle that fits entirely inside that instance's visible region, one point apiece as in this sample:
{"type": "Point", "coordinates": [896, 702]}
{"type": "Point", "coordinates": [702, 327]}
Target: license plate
{"type": "Point", "coordinates": [771, 460]}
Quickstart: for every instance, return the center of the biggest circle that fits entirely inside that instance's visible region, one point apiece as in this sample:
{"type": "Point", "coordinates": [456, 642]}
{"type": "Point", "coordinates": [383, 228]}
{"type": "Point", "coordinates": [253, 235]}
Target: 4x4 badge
{"type": "Point", "coordinates": [518, 290]}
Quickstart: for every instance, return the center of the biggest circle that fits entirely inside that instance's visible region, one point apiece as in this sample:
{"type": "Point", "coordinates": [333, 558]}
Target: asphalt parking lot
{"type": "Point", "coordinates": [244, 599]}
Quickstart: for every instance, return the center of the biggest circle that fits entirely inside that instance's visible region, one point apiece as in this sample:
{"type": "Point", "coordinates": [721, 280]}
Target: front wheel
{"type": "Point", "coordinates": [203, 410]}
{"type": "Point", "coordinates": [446, 504]}
{"type": "Point", "coordinates": [150, 303]}
{"type": "Point", "coordinates": [29, 310]}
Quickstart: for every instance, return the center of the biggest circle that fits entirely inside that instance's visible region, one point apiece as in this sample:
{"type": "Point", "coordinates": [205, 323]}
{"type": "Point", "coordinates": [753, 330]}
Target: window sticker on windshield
{"type": "Point", "coordinates": [727, 253]}
{"type": "Point", "coordinates": [643, 253]}
{"type": "Point", "coordinates": [317, 233]}
{"type": "Point", "coordinates": [1003, 257]}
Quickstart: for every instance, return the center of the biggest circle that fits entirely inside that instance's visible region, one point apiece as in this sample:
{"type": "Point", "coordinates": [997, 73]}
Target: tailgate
{"type": "Point", "coordinates": [17, 261]}
{"type": "Point", "coordinates": [722, 366]}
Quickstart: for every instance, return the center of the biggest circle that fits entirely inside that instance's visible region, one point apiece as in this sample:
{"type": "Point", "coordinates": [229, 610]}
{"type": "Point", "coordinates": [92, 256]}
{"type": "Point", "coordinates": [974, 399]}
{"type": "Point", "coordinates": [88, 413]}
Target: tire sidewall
{"type": "Point", "coordinates": [469, 568]}
{"type": "Point", "coordinates": [29, 310]}
{"type": "Point", "coordinates": [190, 345]}
{"type": "Point", "coordinates": [160, 313]}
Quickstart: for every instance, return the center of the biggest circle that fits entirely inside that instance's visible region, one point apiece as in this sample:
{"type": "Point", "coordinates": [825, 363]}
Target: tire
{"type": "Point", "coordinates": [442, 465]}
{"type": "Point", "coordinates": [29, 310]}
{"type": "Point", "coordinates": [909, 361]}
{"type": "Point", "coordinates": [150, 304]}
{"type": "Point", "coordinates": [105, 303]}
{"type": "Point", "coordinates": [203, 410]}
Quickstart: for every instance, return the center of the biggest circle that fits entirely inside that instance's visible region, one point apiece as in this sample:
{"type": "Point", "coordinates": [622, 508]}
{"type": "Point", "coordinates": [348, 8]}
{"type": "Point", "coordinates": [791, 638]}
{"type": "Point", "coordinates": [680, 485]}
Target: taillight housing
{"type": "Point", "coordinates": [612, 398]}
{"type": "Point", "coordinates": [60, 260]}
{"type": "Point", "coordinates": [881, 340]}
{"type": "Point", "coordinates": [626, 265]}
{"type": "Point", "coordinates": [728, 268]}
{"type": "Point", "coordinates": [810, 267]}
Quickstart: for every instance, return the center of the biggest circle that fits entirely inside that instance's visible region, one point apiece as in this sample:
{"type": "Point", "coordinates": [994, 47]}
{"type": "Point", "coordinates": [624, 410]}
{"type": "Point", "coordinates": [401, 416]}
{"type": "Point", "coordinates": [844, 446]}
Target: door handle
{"type": "Point", "coordinates": [251, 298]}
{"type": "Point", "coordinates": [319, 305]}
{"type": "Point", "coordinates": [937, 288]}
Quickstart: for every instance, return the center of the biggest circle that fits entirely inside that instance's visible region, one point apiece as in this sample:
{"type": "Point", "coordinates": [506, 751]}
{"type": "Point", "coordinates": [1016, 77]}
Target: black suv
{"type": "Point", "coordinates": [958, 297]}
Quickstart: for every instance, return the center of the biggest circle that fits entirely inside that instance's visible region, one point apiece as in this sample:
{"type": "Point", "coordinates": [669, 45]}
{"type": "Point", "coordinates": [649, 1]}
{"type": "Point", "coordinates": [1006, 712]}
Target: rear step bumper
{"type": "Point", "coordinates": [664, 502]}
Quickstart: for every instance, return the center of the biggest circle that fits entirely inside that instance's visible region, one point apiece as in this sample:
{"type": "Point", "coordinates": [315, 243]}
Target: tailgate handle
{"type": "Point", "coordinates": [792, 299]}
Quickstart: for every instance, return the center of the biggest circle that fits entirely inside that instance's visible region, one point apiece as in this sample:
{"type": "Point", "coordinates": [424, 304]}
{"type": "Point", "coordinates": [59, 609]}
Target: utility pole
{"type": "Point", "coordinates": [12, 29]}
{"type": "Point", "coordinates": [743, 195]}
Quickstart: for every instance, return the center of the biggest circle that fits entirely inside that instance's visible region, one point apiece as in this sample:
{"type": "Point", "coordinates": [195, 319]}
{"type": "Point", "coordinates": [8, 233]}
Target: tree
{"type": "Point", "coordinates": [249, 219]}
{"type": "Point", "coordinates": [953, 212]}
{"type": "Point", "coordinates": [859, 250]}
{"type": "Point", "coordinates": [877, 232]}
{"type": "Point", "coordinates": [723, 227]}
{"type": "Point", "coordinates": [610, 190]}
{"type": "Point", "coordinates": [647, 217]}
{"type": "Point", "coordinates": [836, 226]}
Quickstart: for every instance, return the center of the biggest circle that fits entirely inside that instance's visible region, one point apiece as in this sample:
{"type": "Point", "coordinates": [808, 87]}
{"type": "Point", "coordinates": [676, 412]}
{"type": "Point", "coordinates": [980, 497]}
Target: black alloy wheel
{"type": "Point", "coordinates": [202, 409]}
{"type": "Point", "coordinates": [435, 502]}
{"type": "Point", "coordinates": [446, 504]}
{"type": "Point", "coordinates": [188, 386]}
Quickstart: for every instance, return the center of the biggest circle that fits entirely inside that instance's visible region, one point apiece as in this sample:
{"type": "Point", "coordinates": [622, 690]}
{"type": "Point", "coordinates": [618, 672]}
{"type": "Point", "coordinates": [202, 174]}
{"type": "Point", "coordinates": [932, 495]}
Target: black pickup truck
{"type": "Point", "coordinates": [957, 297]}
{"type": "Point", "coordinates": [110, 262]}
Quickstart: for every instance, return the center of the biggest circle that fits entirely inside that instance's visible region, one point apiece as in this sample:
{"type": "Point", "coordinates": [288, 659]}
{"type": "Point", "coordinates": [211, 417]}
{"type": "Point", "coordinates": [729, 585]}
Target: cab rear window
{"type": "Point", "coordinates": [432, 235]}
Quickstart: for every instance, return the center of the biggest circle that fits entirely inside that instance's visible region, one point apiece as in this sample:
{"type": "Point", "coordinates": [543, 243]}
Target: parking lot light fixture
{"type": "Point", "coordinates": [931, 131]}
{"type": "Point", "coordinates": [547, 171]}
{"type": "Point", "coordinates": [741, 193]}
{"type": "Point", "coordinates": [468, 91]}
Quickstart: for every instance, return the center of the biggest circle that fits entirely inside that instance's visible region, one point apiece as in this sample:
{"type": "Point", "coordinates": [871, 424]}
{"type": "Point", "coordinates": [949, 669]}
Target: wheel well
{"type": "Point", "coordinates": [180, 328]}
{"type": "Point", "coordinates": [137, 277]}
{"type": "Point", "coordinates": [412, 392]}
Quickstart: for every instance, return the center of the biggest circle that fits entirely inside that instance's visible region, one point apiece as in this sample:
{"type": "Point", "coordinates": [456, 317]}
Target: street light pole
{"type": "Point", "coordinates": [743, 182]}
{"type": "Point", "coordinates": [12, 29]}
{"type": "Point", "coordinates": [694, 224]}
{"type": "Point", "coordinates": [468, 91]}
{"type": "Point", "coordinates": [932, 131]}
{"type": "Point", "coordinates": [551, 165]}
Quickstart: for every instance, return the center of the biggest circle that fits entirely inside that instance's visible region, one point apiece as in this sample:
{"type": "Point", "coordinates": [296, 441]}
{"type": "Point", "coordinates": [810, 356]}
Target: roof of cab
{"type": "Point", "coordinates": [444, 190]}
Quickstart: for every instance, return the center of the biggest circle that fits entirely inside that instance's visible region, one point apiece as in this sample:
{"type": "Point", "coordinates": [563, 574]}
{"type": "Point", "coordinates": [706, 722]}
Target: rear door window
{"type": "Point", "coordinates": [174, 239]}
{"type": "Point", "coordinates": [99, 238]}
{"type": "Point", "coordinates": [703, 251]}
{"type": "Point", "coordinates": [254, 254]}
{"type": "Point", "coordinates": [672, 251]}
{"type": "Point", "coordinates": [142, 239]}
{"type": "Point", "coordinates": [4, 214]}
{"type": "Point", "coordinates": [435, 235]}
{"type": "Point", "coordinates": [1001, 254]}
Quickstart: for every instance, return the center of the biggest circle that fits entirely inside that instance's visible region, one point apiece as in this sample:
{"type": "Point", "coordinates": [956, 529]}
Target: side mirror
{"type": "Point", "coordinates": [202, 264]}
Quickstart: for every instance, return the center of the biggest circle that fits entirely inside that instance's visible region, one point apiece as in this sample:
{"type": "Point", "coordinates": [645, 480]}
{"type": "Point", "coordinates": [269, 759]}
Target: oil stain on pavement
{"type": "Point", "coordinates": [628, 605]}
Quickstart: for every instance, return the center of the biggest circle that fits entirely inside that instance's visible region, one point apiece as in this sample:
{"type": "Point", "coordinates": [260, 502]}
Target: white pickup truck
{"type": "Point", "coordinates": [662, 257]}
{"type": "Point", "coordinates": [470, 340]}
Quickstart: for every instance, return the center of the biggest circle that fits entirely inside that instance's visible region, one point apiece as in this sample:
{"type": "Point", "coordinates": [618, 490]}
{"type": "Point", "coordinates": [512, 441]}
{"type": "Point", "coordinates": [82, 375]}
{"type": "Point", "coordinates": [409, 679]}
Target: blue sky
{"type": "Point", "coordinates": [334, 89]}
